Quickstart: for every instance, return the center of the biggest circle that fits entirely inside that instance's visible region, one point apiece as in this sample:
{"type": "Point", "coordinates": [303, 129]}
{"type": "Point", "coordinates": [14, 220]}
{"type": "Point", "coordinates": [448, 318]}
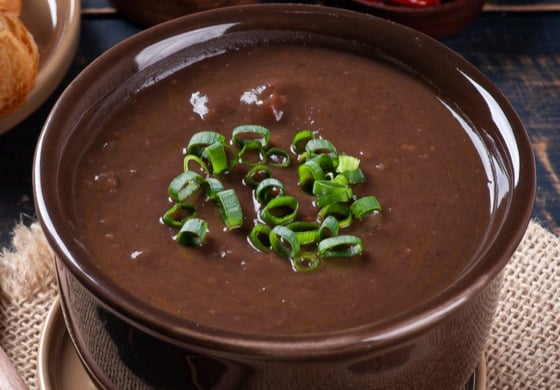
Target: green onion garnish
{"type": "Point", "coordinates": [327, 177]}
{"type": "Point", "coordinates": [241, 135]}
{"type": "Point", "coordinates": [178, 214]}
{"type": "Point", "coordinates": [193, 232]}
{"type": "Point", "coordinates": [257, 174]}
{"type": "Point", "coordinates": [341, 246]}
{"type": "Point", "coordinates": [284, 242]}
{"type": "Point", "coordinates": [277, 157]}
{"type": "Point", "coordinates": [230, 209]}
{"type": "Point", "coordinates": [184, 185]}
{"type": "Point", "coordinates": [300, 140]}
{"type": "Point", "coordinates": [259, 237]}
{"type": "Point", "coordinates": [365, 206]}
{"type": "Point", "coordinates": [280, 210]}
{"type": "Point", "coordinates": [268, 189]}
{"type": "Point", "coordinates": [306, 262]}
{"type": "Point", "coordinates": [201, 140]}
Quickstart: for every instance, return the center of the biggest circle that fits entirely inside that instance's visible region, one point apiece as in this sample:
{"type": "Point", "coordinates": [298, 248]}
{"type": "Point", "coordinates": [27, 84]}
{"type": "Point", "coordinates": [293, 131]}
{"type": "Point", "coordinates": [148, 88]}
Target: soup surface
{"type": "Point", "coordinates": [418, 158]}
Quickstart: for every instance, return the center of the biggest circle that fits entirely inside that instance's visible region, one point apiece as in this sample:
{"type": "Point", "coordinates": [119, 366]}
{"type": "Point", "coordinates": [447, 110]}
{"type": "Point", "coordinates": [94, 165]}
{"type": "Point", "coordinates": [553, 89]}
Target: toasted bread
{"type": "Point", "coordinates": [19, 62]}
{"type": "Point", "coordinates": [13, 6]}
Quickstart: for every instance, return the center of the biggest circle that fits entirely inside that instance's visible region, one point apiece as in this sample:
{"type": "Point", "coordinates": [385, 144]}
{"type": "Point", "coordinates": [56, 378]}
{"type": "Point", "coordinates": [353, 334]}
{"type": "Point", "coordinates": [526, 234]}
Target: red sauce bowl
{"type": "Point", "coordinates": [440, 20]}
{"type": "Point", "coordinates": [125, 343]}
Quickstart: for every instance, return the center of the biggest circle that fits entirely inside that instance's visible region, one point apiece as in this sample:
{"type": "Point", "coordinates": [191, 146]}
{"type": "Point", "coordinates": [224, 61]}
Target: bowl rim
{"type": "Point", "coordinates": [346, 342]}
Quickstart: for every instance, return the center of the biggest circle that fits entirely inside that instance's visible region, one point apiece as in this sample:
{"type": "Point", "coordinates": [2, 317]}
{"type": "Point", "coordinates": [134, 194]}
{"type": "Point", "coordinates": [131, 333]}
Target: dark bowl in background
{"type": "Point", "coordinates": [440, 20]}
{"type": "Point", "coordinates": [125, 343]}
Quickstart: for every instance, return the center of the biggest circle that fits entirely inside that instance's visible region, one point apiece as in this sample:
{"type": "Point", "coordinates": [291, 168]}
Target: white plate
{"type": "Point", "coordinates": [55, 25]}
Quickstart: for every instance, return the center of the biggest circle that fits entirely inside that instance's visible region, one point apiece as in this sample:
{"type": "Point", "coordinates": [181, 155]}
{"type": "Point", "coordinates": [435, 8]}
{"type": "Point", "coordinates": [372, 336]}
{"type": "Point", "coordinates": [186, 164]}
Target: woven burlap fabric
{"type": "Point", "coordinates": [523, 351]}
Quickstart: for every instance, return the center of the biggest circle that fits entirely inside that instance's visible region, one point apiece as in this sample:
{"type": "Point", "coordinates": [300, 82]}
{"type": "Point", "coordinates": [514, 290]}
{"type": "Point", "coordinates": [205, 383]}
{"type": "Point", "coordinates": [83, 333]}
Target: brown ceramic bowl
{"type": "Point", "coordinates": [440, 20]}
{"type": "Point", "coordinates": [127, 343]}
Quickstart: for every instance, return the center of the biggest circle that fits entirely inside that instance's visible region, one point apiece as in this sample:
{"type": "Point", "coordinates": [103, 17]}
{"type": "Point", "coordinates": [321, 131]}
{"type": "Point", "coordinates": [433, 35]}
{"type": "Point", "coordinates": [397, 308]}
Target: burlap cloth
{"type": "Point", "coordinates": [523, 351]}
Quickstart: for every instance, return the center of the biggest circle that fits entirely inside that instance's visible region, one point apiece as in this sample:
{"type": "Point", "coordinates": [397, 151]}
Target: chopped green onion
{"type": "Point", "coordinates": [217, 157]}
{"type": "Point", "coordinates": [280, 210]}
{"type": "Point", "coordinates": [199, 141]}
{"type": "Point", "coordinates": [341, 246]}
{"type": "Point", "coordinates": [306, 232]}
{"type": "Point", "coordinates": [277, 157]}
{"type": "Point", "coordinates": [178, 214]}
{"type": "Point", "coordinates": [257, 174]}
{"type": "Point", "coordinates": [300, 140]}
{"type": "Point", "coordinates": [198, 160]}
{"type": "Point", "coordinates": [329, 228]}
{"type": "Point", "coordinates": [284, 242]}
{"type": "Point", "coordinates": [212, 186]}
{"type": "Point", "coordinates": [338, 210]}
{"type": "Point", "coordinates": [230, 209]}
{"type": "Point", "coordinates": [365, 206]}
{"type": "Point", "coordinates": [329, 192]}
{"type": "Point", "coordinates": [308, 173]}
{"type": "Point", "coordinates": [252, 150]}
{"type": "Point", "coordinates": [306, 262]}
{"type": "Point", "coordinates": [241, 135]}
{"type": "Point", "coordinates": [184, 185]}
{"type": "Point", "coordinates": [193, 232]}
{"type": "Point", "coordinates": [347, 163]}
{"type": "Point", "coordinates": [355, 176]}
{"type": "Point", "coordinates": [320, 146]}
{"type": "Point", "coordinates": [259, 237]}
{"type": "Point", "coordinates": [268, 189]}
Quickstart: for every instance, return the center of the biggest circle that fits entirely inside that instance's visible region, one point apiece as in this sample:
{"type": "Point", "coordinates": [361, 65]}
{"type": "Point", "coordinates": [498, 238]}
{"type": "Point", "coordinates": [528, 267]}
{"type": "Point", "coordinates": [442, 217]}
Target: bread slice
{"type": "Point", "coordinates": [19, 62]}
{"type": "Point", "coordinates": [13, 6]}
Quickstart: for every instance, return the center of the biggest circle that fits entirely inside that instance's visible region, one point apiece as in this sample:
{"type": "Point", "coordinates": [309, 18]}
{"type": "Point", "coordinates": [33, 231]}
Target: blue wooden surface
{"type": "Point", "coordinates": [515, 43]}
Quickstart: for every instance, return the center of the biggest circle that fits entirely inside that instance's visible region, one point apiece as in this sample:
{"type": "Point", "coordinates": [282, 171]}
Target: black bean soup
{"type": "Point", "coordinates": [416, 152]}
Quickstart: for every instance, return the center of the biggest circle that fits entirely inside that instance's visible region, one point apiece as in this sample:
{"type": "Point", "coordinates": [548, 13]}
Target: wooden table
{"type": "Point", "coordinates": [515, 43]}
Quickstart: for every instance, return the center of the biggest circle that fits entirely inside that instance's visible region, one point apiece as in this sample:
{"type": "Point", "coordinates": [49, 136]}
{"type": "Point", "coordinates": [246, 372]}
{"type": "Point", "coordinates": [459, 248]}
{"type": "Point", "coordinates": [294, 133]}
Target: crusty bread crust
{"type": "Point", "coordinates": [13, 6]}
{"type": "Point", "coordinates": [19, 62]}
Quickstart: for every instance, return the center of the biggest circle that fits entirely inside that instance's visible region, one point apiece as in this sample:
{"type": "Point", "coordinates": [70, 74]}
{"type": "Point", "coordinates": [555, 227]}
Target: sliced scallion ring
{"type": "Point", "coordinates": [338, 210]}
{"type": "Point", "coordinates": [277, 157]}
{"type": "Point", "coordinates": [257, 174]}
{"type": "Point", "coordinates": [268, 189]}
{"type": "Point", "coordinates": [280, 210]}
{"type": "Point", "coordinates": [329, 228]}
{"type": "Point", "coordinates": [202, 166]}
{"type": "Point", "coordinates": [178, 214]}
{"type": "Point", "coordinates": [352, 177]}
{"type": "Point", "coordinates": [306, 262]}
{"type": "Point", "coordinates": [365, 206]}
{"type": "Point", "coordinates": [347, 163]}
{"type": "Point", "coordinates": [306, 231]}
{"type": "Point", "coordinates": [252, 153]}
{"type": "Point", "coordinates": [259, 237]}
{"type": "Point", "coordinates": [199, 141]}
{"type": "Point", "coordinates": [308, 173]}
{"type": "Point", "coordinates": [212, 186]}
{"type": "Point", "coordinates": [318, 146]}
{"type": "Point", "coordinates": [184, 185]}
{"type": "Point", "coordinates": [241, 135]}
{"type": "Point", "coordinates": [300, 140]}
{"type": "Point", "coordinates": [192, 232]}
{"type": "Point", "coordinates": [217, 157]}
{"type": "Point", "coordinates": [341, 246]}
{"type": "Point", "coordinates": [284, 242]}
{"type": "Point", "coordinates": [230, 208]}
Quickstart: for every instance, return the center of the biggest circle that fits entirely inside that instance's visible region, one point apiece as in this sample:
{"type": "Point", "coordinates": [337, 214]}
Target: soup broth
{"type": "Point", "coordinates": [417, 155]}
